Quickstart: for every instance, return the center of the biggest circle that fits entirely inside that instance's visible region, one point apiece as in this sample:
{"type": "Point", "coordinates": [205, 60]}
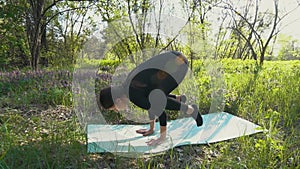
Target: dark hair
{"type": "Point", "coordinates": [108, 94]}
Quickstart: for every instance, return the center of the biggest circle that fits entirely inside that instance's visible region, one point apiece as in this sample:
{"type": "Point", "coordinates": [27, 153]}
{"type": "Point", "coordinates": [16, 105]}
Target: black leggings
{"type": "Point", "coordinates": [139, 98]}
{"type": "Point", "coordinates": [172, 104]}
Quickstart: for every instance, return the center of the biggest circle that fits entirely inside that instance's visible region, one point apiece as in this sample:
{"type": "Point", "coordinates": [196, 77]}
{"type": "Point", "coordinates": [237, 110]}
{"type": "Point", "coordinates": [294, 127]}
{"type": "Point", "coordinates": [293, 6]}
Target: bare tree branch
{"type": "Point", "coordinates": [132, 25]}
{"type": "Point", "coordinates": [179, 32]}
{"type": "Point", "coordinates": [67, 10]}
{"type": "Point", "coordinates": [158, 23]}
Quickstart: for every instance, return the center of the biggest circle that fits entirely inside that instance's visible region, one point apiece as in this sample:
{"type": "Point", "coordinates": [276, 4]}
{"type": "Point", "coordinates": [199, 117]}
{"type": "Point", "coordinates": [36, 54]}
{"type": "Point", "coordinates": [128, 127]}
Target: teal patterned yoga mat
{"type": "Point", "coordinates": [124, 140]}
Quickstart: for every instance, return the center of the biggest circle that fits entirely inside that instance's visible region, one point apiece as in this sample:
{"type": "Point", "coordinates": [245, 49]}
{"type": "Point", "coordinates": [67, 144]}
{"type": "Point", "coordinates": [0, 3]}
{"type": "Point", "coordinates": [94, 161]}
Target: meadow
{"type": "Point", "coordinates": [39, 129]}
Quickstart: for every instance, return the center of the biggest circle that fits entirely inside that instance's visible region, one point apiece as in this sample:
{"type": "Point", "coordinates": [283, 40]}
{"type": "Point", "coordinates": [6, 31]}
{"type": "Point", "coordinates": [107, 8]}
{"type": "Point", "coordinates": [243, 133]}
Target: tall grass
{"type": "Point", "coordinates": [52, 138]}
{"type": "Point", "coordinates": [39, 87]}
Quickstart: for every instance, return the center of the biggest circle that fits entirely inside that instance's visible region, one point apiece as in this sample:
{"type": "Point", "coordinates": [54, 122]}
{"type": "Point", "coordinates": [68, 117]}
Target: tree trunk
{"type": "Point", "coordinates": [34, 26]}
{"type": "Point", "coordinates": [35, 52]}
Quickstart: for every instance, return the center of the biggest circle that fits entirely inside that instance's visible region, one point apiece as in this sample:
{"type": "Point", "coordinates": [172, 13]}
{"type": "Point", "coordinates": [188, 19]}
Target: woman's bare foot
{"type": "Point", "coordinates": [145, 132]}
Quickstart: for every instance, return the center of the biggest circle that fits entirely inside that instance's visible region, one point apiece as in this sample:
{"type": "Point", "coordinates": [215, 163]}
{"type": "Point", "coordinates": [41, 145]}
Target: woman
{"type": "Point", "coordinates": [148, 86]}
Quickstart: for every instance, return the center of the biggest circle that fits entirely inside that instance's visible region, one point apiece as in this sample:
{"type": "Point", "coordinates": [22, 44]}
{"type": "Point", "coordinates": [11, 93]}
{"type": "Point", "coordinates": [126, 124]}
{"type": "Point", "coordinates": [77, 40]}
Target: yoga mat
{"type": "Point", "coordinates": [122, 139]}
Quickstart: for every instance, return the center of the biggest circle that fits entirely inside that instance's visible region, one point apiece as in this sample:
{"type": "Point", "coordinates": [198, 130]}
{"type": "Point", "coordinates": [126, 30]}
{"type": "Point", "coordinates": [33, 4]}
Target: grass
{"type": "Point", "coordinates": [38, 128]}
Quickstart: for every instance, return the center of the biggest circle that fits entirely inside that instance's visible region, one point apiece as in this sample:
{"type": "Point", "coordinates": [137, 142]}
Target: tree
{"type": "Point", "coordinates": [36, 22]}
{"type": "Point", "coordinates": [134, 19]}
{"type": "Point", "coordinates": [199, 10]}
{"type": "Point", "coordinates": [256, 31]}
{"type": "Point", "coordinates": [290, 49]}
{"type": "Point", "coordinates": [129, 23]}
{"type": "Point", "coordinates": [67, 32]}
{"type": "Point", "coordinates": [199, 28]}
{"type": "Point", "coordinates": [27, 26]}
{"type": "Point", "coordinates": [38, 15]}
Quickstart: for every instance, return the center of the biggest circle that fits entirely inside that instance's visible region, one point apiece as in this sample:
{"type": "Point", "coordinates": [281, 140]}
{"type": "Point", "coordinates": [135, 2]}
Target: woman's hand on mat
{"type": "Point", "coordinates": [155, 142]}
{"type": "Point", "coordinates": [145, 132]}
{"type": "Point", "coordinates": [161, 139]}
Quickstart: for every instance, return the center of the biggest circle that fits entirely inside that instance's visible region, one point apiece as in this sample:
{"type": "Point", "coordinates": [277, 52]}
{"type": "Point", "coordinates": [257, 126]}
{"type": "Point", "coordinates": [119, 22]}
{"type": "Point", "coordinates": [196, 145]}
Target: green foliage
{"type": "Point", "coordinates": [50, 39]}
{"type": "Point", "coordinates": [14, 49]}
{"type": "Point", "coordinates": [100, 63]}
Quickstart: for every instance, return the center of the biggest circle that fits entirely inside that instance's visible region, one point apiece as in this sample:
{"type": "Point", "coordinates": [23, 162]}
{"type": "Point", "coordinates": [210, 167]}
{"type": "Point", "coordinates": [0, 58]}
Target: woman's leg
{"type": "Point", "coordinates": [174, 104]}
